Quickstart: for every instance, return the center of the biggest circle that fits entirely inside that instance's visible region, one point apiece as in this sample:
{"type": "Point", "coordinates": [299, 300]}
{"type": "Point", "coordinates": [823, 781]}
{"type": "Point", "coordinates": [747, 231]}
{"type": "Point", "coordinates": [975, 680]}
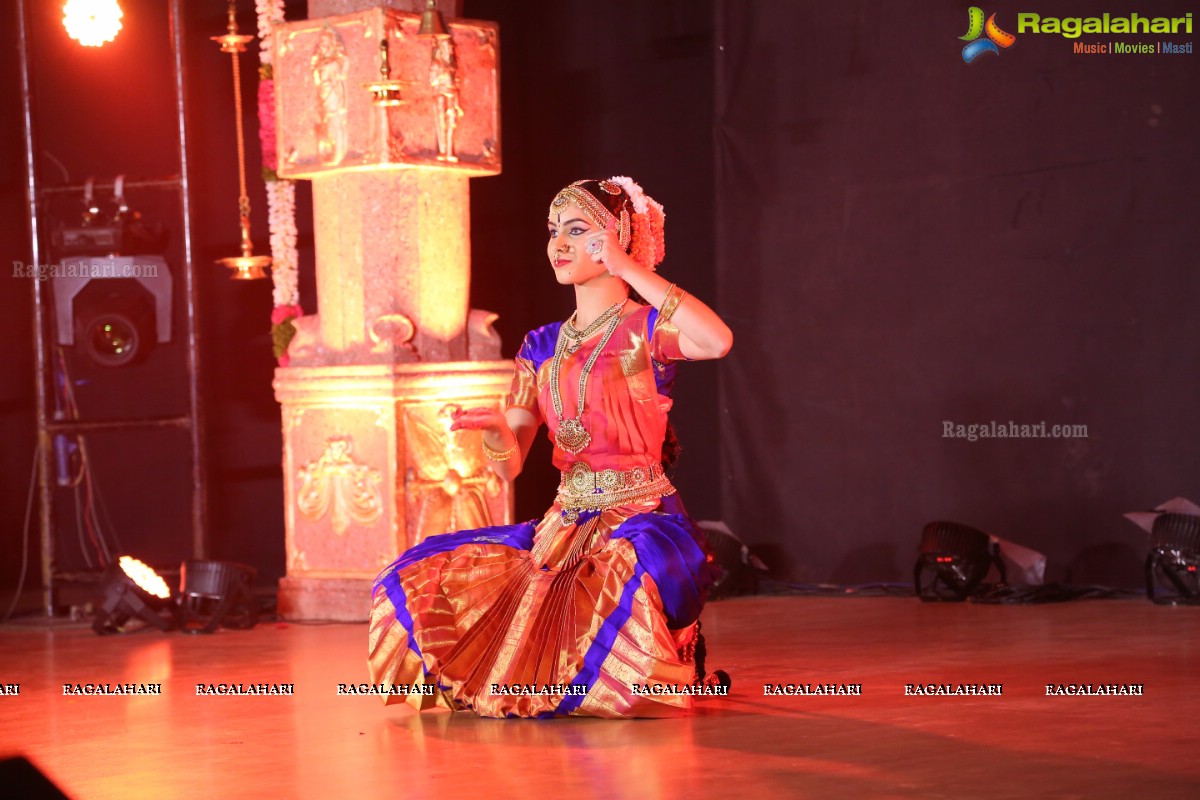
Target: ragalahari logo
{"type": "Point", "coordinates": [995, 40]}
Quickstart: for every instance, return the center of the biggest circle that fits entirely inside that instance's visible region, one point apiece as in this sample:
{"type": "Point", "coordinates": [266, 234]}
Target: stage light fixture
{"type": "Point", "coordinates": [1173, 560]}
{"type": "Point", "coordinates": [953, 560]}
{"type": "Point", "coordinates": [130, 590]}
{"type": "Point", "coordinates": [216, 594]}
{"type": "Point", "coordinates": [114, 307]}
{"type": "Point", "coordinates": [92, 23]}
{"type": "Point", "coordinates": [741, 569]}
{"type": "Point", "coordinates": [115, 325]}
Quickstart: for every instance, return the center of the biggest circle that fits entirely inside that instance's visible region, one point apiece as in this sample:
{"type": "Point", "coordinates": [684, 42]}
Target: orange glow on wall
{"type": "Point", "coordinates": [92, 23]}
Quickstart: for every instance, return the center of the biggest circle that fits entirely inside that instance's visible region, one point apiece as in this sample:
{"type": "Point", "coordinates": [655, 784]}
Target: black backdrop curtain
{"type": "Point", "coordinates": [904, 239]}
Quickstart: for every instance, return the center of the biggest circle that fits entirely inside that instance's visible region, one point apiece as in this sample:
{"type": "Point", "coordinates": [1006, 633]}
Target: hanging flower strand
{"type": "Point", "coordinates": [281, 194]}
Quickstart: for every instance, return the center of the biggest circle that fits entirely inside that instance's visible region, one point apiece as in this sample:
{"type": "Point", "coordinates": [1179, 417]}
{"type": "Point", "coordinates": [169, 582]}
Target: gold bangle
{"type": "Point", "coordinates": [671, 302]}
{"type": "Point", "coordinates": [496, 455]}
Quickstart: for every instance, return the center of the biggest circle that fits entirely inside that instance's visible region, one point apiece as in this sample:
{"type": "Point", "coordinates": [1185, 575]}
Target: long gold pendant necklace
{"type": "Point", "coordinates": [572, 436]}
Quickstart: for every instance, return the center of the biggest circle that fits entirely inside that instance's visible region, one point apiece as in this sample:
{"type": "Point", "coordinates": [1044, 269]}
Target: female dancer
{"type": "Point", "coordinates": [593, 610]}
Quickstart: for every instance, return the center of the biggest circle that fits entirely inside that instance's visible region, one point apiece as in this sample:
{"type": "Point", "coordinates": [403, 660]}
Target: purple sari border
{"type": "Point", "coordinates": [667, 549]}
{"type": "Point", "coordinates": [395, 594]}
{"type": "Point", "coordinates": [603, 643]}
{"type": "Point", "coordinates": [519, 537]}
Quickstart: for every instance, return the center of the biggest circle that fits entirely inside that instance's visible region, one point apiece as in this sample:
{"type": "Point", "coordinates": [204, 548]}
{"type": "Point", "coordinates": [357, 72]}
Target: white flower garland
{"type": "Point", "coordinates": [281, 214]}
{"type": "Point", "coordinates": [269, 12]}
{"type": "Point", "coordinates": [281, 194]}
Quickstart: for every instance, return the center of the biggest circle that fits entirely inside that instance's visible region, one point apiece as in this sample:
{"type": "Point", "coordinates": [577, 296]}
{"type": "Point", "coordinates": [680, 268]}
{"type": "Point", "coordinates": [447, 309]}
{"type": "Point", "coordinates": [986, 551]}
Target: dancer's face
{"type": "Point", "coordinates": [569, 231]}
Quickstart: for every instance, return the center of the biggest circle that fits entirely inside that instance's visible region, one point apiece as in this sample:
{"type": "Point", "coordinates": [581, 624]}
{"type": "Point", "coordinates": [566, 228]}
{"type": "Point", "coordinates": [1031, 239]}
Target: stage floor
{"type": "Point", "coordinates": [884, 743]}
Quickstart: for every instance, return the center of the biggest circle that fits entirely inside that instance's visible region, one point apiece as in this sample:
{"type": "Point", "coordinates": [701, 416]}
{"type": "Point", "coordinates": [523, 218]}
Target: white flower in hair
{"type": "Point", "coordinates": [636, 195]}
{"type": "Point", "coordinates": [646, 246]}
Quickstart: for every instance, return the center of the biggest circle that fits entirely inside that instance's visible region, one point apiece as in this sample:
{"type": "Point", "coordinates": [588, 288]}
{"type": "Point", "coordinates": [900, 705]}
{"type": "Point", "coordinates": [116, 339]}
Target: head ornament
{"type": "Point", "coordinates": [620, 202]}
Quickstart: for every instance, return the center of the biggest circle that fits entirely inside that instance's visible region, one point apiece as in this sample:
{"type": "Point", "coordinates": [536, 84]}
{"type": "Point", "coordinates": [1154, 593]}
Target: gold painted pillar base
{"type": "Point", "coordinates": [371, 469]}
{"type": "Point", "coordinates": [327, 599]}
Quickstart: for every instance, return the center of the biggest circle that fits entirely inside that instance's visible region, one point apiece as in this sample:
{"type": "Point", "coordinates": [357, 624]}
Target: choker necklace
{"type": "Point", "coordinates": [576, 338]}
{"type": "Point", "coordinates": [572, 436]}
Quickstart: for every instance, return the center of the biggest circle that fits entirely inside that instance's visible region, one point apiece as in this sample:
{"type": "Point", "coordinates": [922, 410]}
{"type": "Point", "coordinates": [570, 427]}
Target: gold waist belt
{"type": "Point", "coordinates": [581, 489]}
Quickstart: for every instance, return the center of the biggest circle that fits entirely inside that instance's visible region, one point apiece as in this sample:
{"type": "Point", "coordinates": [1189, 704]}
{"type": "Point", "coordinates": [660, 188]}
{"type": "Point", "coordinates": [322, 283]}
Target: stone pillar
{"type": "Point", "coordinates": [370, 467]}
{"type": "Point", "coordinates": [407, 277]}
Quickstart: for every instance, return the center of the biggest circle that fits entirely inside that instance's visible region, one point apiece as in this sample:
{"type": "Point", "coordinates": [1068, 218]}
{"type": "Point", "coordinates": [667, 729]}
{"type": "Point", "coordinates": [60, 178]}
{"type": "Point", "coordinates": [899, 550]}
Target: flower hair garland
{"type": "Point", "coordinates": [281, 194]}
{"type": "Point", "coordinates": [648, 245]}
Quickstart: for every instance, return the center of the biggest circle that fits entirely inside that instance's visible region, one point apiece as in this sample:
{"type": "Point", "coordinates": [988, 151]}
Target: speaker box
{"type": "Point", "coordinates": [19, 778]}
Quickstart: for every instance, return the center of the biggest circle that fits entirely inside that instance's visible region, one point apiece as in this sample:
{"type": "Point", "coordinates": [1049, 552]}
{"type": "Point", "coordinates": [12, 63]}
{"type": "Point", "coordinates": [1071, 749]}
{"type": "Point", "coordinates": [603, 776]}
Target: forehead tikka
{"type": "Point", "coordinates": [594, 210]}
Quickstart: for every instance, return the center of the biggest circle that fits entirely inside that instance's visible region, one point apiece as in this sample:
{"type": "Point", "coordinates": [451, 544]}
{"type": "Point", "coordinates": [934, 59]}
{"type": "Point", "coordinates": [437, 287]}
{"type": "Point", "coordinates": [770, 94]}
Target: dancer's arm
{"type": "Point", "coordinates": [702, 334]}
{"type": "Point", "coordinates": [508, 435]}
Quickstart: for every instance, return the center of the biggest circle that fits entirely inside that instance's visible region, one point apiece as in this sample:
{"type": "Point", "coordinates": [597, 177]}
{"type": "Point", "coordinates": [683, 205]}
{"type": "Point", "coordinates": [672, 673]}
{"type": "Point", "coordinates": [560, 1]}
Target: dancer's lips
{"type": "Point", "coordinates": [562, 262]}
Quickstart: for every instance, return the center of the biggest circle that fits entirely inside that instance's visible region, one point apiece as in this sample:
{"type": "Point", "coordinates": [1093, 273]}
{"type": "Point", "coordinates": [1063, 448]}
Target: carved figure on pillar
{"type": "Point", "coordinates": [329, 67]}
{"type": "Point", "coordinates": [443, 77]}
{"type": "Point", "coordinates": [449, 485]}
{"type": "Point", "coordinates": [338, 485]}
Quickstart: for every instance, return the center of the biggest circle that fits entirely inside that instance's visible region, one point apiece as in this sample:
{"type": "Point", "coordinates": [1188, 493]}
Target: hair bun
{"type": "Point", "coordinates": [648, 243]}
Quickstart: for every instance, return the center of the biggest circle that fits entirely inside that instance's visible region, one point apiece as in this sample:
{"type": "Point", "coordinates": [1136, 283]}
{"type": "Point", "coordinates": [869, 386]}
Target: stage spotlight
{"type": "Point", "coordinates": [133, 590]}
{"type": "Point", "coordinates": [216, 593]}
{"type": "Point", "coordinates": [1173, 560]}
{"type": "Point", "coordinates": [115, 320]}
{"type": "Point", "coordinates": [92, 23]}
{"type": "Point", "coordinates": [954, 559]}
{"type": "Point", "coordinates": [120, 333]}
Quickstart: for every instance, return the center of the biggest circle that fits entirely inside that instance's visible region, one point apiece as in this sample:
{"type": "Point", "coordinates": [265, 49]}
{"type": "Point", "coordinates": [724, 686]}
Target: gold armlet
{"type": "Point", "coordinates": [671, 302]}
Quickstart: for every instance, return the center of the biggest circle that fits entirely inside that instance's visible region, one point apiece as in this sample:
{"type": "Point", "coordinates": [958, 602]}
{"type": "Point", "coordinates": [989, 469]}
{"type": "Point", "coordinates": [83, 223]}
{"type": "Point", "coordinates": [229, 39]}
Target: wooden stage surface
{"type": "Point", "coordinates": [883, 743]}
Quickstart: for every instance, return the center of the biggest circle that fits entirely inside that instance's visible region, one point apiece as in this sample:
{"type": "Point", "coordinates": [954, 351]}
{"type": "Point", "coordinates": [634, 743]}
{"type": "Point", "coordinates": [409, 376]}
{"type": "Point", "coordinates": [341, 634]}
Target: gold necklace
{"type": "Point", "coordinates": [578, 337]}
{"type": "Point", "coordinates": [572, 436]}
